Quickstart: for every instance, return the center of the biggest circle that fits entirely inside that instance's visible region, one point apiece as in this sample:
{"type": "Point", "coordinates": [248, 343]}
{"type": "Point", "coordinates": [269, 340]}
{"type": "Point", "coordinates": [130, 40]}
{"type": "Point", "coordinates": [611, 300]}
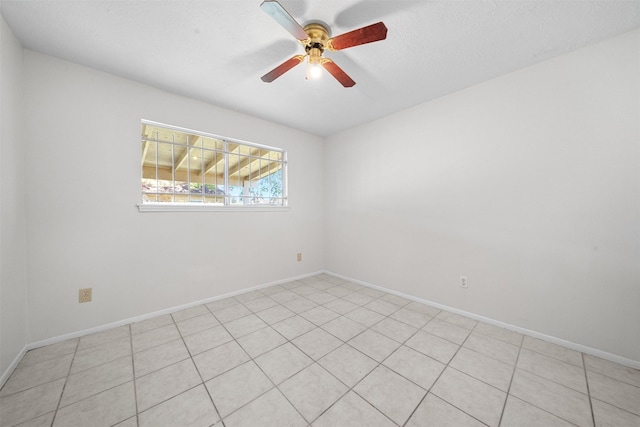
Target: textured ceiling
{"type": "Point", "coordinates": [216, 51]}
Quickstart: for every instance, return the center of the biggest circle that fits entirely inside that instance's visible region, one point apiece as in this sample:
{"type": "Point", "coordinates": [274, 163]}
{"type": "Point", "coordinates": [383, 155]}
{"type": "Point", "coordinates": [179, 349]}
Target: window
{"type": "Point", "coordinates": [182, 167]}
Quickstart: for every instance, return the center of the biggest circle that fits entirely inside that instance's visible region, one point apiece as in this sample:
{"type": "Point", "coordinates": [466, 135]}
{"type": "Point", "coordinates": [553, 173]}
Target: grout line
{"type": "Point", "coordinates": [75, 352]}
{"type": "Point", "coordinates": [513, 374]}
{"type": "Point", "coordinates": [133, 372]}
{"type": "Point", "coordinates": [586, 380]}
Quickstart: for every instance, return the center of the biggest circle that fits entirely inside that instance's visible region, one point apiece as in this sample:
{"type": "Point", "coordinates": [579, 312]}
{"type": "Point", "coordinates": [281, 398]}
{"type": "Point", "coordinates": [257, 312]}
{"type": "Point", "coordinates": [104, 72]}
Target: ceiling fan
{"type": "Point", "coordinates": [315, 39]}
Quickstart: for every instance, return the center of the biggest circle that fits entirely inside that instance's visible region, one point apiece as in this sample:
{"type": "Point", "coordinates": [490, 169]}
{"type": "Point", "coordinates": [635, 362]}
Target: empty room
{"type": "Point", "coordinates": [319, 213]}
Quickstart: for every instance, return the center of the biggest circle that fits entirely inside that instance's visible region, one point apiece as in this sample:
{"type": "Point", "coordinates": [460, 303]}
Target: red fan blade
{"type": "Point", "coordinates": [282, 68]}
{"type": "Point", "coordinates": [282, 17]}
{"type": "Point", "coordinates": [371, 33]}
{"type": "Point", "coordinates": [337, 72]}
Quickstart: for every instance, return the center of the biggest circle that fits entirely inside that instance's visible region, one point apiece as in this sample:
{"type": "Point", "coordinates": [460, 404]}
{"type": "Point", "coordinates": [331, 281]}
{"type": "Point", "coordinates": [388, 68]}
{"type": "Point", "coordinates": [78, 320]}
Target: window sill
{"type": "Point", "coordinates": [175, 207]}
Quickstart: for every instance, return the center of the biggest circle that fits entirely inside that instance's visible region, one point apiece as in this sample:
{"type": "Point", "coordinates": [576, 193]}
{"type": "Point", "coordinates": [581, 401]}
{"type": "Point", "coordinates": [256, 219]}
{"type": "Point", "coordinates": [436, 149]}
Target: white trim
{"type": "Point", "coordinates": [194, 207]}
{"type": "Point", "coordinates": [7, 373]}
{"type": "Point", "coordinates": [534, 334]}
{"type": "Point", "coordinates": [170, 310]}
{"type": "Point", "coordinates": [578, 347]}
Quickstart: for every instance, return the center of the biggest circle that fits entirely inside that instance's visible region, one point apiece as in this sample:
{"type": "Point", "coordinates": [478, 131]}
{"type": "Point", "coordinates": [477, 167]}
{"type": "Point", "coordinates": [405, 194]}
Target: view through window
{"type": "Point", "coordinates": [181, 166]}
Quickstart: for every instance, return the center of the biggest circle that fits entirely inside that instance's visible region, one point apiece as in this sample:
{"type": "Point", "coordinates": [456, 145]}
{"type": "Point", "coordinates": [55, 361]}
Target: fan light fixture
{"type": "Point", "coordinates": [315, 39]}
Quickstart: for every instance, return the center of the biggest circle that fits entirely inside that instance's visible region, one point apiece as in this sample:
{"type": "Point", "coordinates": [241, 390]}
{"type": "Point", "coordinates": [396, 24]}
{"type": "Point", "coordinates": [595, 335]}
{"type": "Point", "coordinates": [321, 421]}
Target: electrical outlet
{"type": "Point", "coordinates": [463, 282]}
{"type": "Point", "coordinates": [84, 295]}
{"type": "Point", "coordinates": [299, 256]}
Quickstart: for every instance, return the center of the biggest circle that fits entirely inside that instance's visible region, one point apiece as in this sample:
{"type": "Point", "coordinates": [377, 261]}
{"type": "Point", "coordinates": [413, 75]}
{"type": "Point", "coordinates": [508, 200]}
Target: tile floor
{"type": "Point", "coordinates": [316, 352]}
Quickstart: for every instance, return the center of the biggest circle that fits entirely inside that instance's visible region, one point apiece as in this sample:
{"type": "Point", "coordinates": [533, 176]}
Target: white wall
{"type": "Point", "coordinates": [84, 230]}
{"type": "Point", "coordinates": [529, 184]}
{"type": "Point", "coordinates": [13, 290]}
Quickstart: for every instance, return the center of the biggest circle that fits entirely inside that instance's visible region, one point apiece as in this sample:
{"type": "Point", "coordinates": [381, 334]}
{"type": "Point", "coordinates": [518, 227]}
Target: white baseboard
{"type": "Point", "coordinates": [36, 344]}
{"type": "Point", "coordinates": [574, 346]}
{"type": "Point", "coordinates": [534, 334]}
{"type": "Point", "coordinates": [7, 373]}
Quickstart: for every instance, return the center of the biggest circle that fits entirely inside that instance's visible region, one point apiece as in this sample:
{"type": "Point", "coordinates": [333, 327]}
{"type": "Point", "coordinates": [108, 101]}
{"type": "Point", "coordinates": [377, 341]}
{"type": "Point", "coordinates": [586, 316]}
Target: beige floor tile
{"type": "Point", "coordinates": [237, 387]}
{"type": "Point", "coordinates": [371, 292]}
{"type": "Point", "coordinates": [343, 328]}
{"type": "Point", "coordinates": [154, 337]}
{"type": "Point", "coordinates": [244, 325]}
{"type": "Point", "coordinates": [312, 391]}
{"type": "Point", "coordinates": [396, 300]}
{"type": "Point", "coordinates": [283, 362]}
{"type": "Point", "coordinates": [284, 296]}
{"type": "Point", "coordinates": [502, 334]}
{"type": "Point", "coordinates": [232, 313]}
{"type": "Point", "coordinates": [25, 377]}
{"type": "Point", "coordinates": [99, 354]}
{"type": "Point", "coordinates": [221, 304]}
{"type": "Point", "coordinates": [197, 324]}
{"type": "Point", "coordinates": [293, 327]}
{"type": "Point", "coordinates": [275, 289]}
{"type": "Point", "coordinates": [435, 412]}
{"type": "Point", "coordinates": [192, 408]}
{"type": "Point", "coordinates": [129, 422]}
{"type": "Point", "coordinates": [483, 368]}
{"type": "Point", "coordinates": [319, 315]}
{"type": "Point", "coordinates": [348, 364]}
{"type": "Point", "coordinates": [609, 416]}
{"type": "Point", "coordinates": [518, 413]}
{"type": "Point", "coordinates": [340, 306]}
{"type": "Point", "coordinates": [457, 319]}
{"type": "Point", "coordinates": [161, 385]}
{"type": "Point", "coordinates": [95, 380]}
{"type": "Point", "coordinates": [207, 339]}
{"type": "Point", "coordinates": [365, 316]}
{"type": "Point", "coordinates": [411, 317]}
{"type": "Point", "coordinates": [218, 360]}
{"type": "Point", "coordinates": [270, 409]}
{"type": "Point", "coordinates": [149, 324]}
{"type": "Point", "coordinates": [103, 337]}
{"type": "Point", "coordinates": [374, 344]}
{"type": "Point", "coordinates": [30, 403]}
{"type": "Point", "coordinates": [394, 329]}
{"type": "Point", "coordinates": [558, 352]}
{"type": "Point", "coordinates": [249, 296]}
{"type": "Point", "coordinates": [41, 421]}
{"type": "Point", "coordinates": [423, 308]}
{"type": "Point", "coordinates": [339, 291]}
{"type": "Point", "coordinates": [321, 297]}
{"type": "Point", "coordinates": [553, 369]}
{"type": "Point", "coordinates": [434, 347]}
{"type": "Point", "coordinates": [492, 347]}
{"type": "Point", "coordinates": [52, 351]}
{"type": "Point", "coordinates": [159, 357]}
{"type": "Point", "coordinates": [358, 298]}
{"type": "Point", "coordinates": [613, 392]}
{"type": "Point", "coordinates": [104, 409]}
{"type": "Point", "coordinates": [188, 313]}
{"type": "Point", "coordinates": [446, 330]}
{"type": "Point", "coordinates": [352, 411]}
{"type": "Point", "coordinates": [382, 307]}
{"type": "Point", "coordinates": [415, 366]}
{"type": "Point", "coordinates": [470, 395]}
{"type": "Point", "coordinates": [304, 290]}
{"type": "Point", "coordinates": [317, 343]}
{"type": "Point", "coordinates": [299, 305]}
{"type": "Point", "coordinates": [557, 399]}
{"type": "Point", "coordinates": [275, 314]}
{"type": "Point", "coordinates": [613, 370]}
{"type": "Point", "coordinates": [392, 394]}
{"type": "Point", "coordinates": [261, 341]}
{"type": "Point", "coordinates": [260, 304]}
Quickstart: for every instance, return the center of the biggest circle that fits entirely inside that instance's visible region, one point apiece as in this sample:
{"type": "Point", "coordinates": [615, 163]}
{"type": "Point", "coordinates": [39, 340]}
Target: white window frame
{"type": "Point", "coordinates": [145, 206]}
